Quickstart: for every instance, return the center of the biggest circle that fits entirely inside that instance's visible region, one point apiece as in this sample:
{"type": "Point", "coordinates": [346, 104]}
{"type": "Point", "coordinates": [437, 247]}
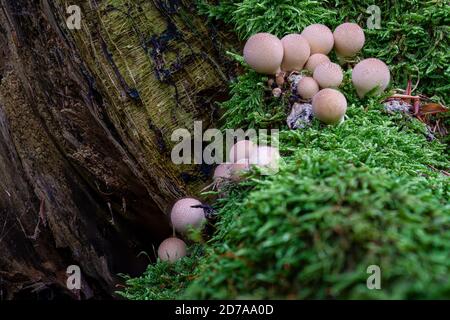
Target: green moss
{"type": "Point", "coordinates": [162, 280]}
{"type": "Point", "coordinates": [346, 198]}
{"type": "Point", "coordinates": [366, 192]}
{"type": "Point", "coordinates": [413, 40]}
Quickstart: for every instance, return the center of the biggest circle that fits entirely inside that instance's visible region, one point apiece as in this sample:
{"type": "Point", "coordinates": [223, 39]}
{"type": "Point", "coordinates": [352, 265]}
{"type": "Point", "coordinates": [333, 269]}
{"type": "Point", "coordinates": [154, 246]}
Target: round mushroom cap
{"type": "Point", "coordinates": [184, 216]}
{"type": "Point", "coordinates": [265, 157]}
{"type": "Point", "coordinates": [241, 150]}
{"type": "Point", "coordinates": [329, 106]}
{"type": "Point", "coordinates": [171, 250]}
{"type": "Point", "coordinates": [276, 92]}
{"type": "Point", "coordinates": [315, 60]}
{"type": "Point", "coordinates": [319, 37]}
{"type": "Point", "coordinates": [222, 171]}
{"type": "Point", "coordinates": [296, 52]}
{"type": "Point", "coordinates": [238, 169]}
{"type": "Point", "coordinates": [369, 74]}
{"type": "Point", "coordinates": [307, 87]}
{"type": "Point", "coordinates": [328, 75]}
{"type": "Point", "coordinates": [348, 39]}
{"type": "Point", "coordinates": [264, 53]}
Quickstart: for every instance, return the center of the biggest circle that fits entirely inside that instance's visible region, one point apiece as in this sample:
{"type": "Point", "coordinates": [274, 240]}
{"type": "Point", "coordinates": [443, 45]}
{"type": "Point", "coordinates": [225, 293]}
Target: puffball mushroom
{"type": "Point", "coordinates": [264, 53]}
{"type": "Point", "coordinates": [171, 250]}
{"type": "Point", "coordinates": [241, 150]}
{"type": "Point", "coordinates": [238, 168]}
{"type": "Point", "coordinates": [184, 216]}
{"type": "Point", "coordinates": [329, 106]}
{"type": "Point", "coordinates": [222, 175]}
{"type": "Point", "coordinates": [296, 52]}
{"type": "Point", "coordinates": [328, 75]}
{"type": "Point", "coordinates": [276, 92]}
{"type": "Point", "coordinates": [315, 60]}
{"type": "Point", "coordinates": [369, 74]}
{"type": "Point", "coordinates": [319, 37]}
{"type": "Point", "coordinates": [307, 87]}
{"type": "Point", "coordinates": [222, 172]}
{"type": "Point", "coordinates": [265, 157]}
{"type": "Point", "coordinates": [279, 80]}
{"type": "Point", "coordinates": [348, 39]}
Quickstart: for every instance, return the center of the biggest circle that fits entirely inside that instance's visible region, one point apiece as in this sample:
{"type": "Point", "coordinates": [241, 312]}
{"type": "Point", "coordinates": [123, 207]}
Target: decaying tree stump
{"type": "Point", "coordinates": [86, 118]}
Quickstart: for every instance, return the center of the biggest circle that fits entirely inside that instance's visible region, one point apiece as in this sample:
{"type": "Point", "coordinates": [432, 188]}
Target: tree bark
{"type": "Point", "coordinates": [86, 118]}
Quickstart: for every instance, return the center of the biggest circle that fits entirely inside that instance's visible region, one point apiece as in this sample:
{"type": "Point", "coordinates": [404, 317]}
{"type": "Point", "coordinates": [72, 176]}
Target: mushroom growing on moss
{"type": "Point", "coordinates": [265, 157]}
{"type": "Point", "coordinates": [307, 87]}
{"type": "Point", "coordinates": [187, 213]}
{"type": "Point", "coordinates": [329, 106]}
{"type": "Point", "coordinates": [171, 250]}
{"type": "Point", "coordinates": [238, 168]}
{"type": "Point", "coordinates": [328, 75]}
{"type": "Point", "coordinates": [314, 60]}
{"type": "Point", "coordinates": [264, 53]}
{"type": "Point", "coordinates": [370, 74]}
{"type": "Point", "coordinates": [296, 52]}
{"type": "Point", "coordinates": [277, 92]}
{"type": "Point", "coordinates": [319, 37]}
{"type": "Point", "coordinates": [348, 39]}
{"type": "Point", "coordinates": [222, 172]}
{"type": "Point", "coordinates": [241, 150]}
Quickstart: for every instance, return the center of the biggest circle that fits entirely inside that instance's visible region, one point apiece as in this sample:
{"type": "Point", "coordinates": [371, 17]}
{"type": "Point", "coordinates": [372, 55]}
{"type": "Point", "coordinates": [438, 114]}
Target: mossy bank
{"type": "Point", "coordinates": [371, 191]}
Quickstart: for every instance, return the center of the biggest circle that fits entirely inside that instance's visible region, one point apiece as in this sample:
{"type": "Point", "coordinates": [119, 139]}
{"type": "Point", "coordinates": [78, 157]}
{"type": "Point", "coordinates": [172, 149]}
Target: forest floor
{"type": "Point", "coordinates": [372, 191]}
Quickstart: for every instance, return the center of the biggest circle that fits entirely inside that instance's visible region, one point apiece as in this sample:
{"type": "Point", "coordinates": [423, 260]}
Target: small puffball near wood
{"type": "Point", "coordinates": [319, 37]}
{"type": "Point", "coordinates": [222, 172]}
{"type": "Point", "coordinates": [370, 74]}
{"type": "Point", "coordinates": [307, 87]}
{"type": "Point", "coordinates": [348, 39]}
{"type": "Point", "coordinates": [241, 150]}
{"type": "Point", "coordinates": [183, 216]}
{"type": "Point", "coordinates": [222, 175]}
{"type": "Point", "coordinates": [264, 53]}
{"type": "Point", "coordinates": [238, 169]}
{"type": "Point", "coordinates": [171, 250]}
{"type": "Point", "coordinates": [314, 60]}
{"type": "Point", "coordinates": [265, 157]}
{"type": "Point", "coordinates": [329, 106]}
{"type": "Point", "coordinates": [328, 75]}
{"type": "Point", "coordinates": [296, 52]}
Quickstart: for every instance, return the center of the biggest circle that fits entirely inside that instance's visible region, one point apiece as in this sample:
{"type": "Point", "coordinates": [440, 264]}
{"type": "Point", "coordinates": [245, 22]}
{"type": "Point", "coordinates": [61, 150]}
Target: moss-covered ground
{"type": "Point", "coordinates": [371, 191]}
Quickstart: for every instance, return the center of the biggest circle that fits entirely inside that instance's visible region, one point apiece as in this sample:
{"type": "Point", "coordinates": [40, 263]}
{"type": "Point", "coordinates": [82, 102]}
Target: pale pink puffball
{"type": "Point", "coordinates": [171, 250]}
{"type": "Point", "coordinates": [307, 87]}
{"type": "Point", "coordinates": [369, 74]}
{"type": "Point", "coordinates": [328, 75]}
{"type": "Point", "coordinates": [296, 52]}
{"type": "Point", "coordinates": [316, 59]}
{"type": "Point", "coordinates": [329, 106]}
{"type": "Point", "coordinates": [319, 37]}
{"type": "Point", "coordinates": [265, 157]}
{"type": "Point", "coordinates": [183, 216]}
{"type": "Point", "coordinates": [264, 53]}
{"type": "Point", "coordinates": [348, 39]}
{"type": "Point", "coordinates": [241, 150]}
{"type": "Point", "coordinates": [222, 171]}
{"type": "Point", "coordinates": [238, 168]}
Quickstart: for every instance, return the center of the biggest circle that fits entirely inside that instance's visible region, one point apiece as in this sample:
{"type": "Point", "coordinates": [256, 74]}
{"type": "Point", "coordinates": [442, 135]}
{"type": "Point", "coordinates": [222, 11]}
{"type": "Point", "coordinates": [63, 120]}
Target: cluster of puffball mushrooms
{"type": "Point", "coordinates": [313, 79]}
{"type": "Point", "coordinates": [190, 213]}
{"type": "Point", "coordinates": [300, 60]}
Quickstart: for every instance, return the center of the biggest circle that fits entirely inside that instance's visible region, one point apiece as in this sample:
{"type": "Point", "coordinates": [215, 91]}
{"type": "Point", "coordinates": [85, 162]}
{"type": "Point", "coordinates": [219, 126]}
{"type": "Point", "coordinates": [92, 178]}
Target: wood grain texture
{"type": "Point", "coordinates": [85, 123]}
